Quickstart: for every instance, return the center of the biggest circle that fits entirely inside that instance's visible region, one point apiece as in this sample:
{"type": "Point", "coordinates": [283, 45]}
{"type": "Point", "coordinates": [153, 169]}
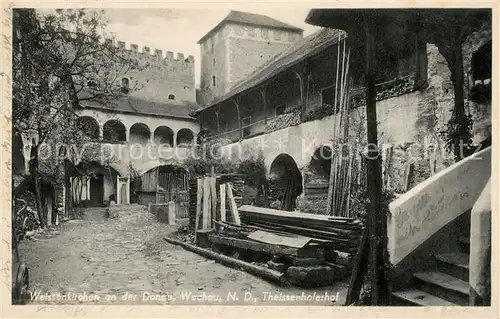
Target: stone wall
{"type": "Point", "coordinates": [214, 62]}
{"type": "Point", "coordinates": [163, 74]}
{"type": "Point", "coordinates": [238, 50]}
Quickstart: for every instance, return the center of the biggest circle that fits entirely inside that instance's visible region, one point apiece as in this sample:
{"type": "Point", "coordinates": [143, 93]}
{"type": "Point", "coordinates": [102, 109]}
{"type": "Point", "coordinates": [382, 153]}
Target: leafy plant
{"type": "Point", "coordinates": [319, 112]}
{"type": "Point", "coordinates": [60, 60]}
{"type": "Point", "coordinates": [458, 136]}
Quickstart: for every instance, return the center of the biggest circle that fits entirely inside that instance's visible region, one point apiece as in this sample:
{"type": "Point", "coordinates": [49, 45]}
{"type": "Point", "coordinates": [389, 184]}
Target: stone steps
{"type": "Point", "coordinates": [445, 286]}
{"type": "Point", "coordinates": [416, 297]}
{"type": "Point", "coordinates": [454, 264]}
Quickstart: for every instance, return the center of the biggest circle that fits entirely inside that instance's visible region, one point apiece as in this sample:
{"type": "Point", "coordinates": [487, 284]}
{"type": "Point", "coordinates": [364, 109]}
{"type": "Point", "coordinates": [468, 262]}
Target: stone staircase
{"type": "Point", "coordinates": [446, 285]}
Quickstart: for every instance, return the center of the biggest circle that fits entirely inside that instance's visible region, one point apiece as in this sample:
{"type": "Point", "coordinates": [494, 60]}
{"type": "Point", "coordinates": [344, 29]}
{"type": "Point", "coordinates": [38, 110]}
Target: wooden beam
{"type": "Point", "coordinates": [232, 205]}
{"type": "Point", "coordinates": [216, 111]}
{"type": "Point", "coordinates": [236, 102]}
{"type": "Point", "coordinates": [300, 76]}
{"type": "Point", "coordinates": [257, 246]}
{"type": "Point", "coordinates": [222, 202]}
{"type": "Point", "coordinates": [206, 203]}
{"type": "Point", "coordinates": [262, 272]}
{"type": "Point", "coordinates": [377, 221]}
{"type": "Point", "coordinates": [199, 197]}
{"type": "Point", "coordinates": [263, 91]}
{"type": "Point", "coordinates": [213, 191]}
{"type": "Point", "coordinates": [409, 175]}
{"type": "Point", "coordinates": [358, 271]}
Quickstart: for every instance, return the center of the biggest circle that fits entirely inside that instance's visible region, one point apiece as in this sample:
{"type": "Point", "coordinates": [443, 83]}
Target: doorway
{"type": "Point", "coordinates": [97, 191]}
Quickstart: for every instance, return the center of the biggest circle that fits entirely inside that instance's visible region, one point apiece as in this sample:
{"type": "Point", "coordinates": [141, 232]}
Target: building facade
{"type": "Point", "coordinates": [236, 46]}
{"type": "Point", "coordinates": [284, 108]}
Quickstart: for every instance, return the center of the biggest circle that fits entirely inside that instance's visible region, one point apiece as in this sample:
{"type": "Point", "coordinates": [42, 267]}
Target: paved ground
{"type": "Point", "coordinates": [127, 259]}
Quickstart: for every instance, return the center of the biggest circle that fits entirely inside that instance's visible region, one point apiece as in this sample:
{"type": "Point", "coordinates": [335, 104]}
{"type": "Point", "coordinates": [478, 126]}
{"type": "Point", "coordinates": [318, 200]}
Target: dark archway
{"type": "Point", "coordinates": [481, 63]}
{"type": "Point", "coordinates": [139, 133]}
{"type": "Point", "coordinates": [114, 131]}
{"type": "Point", "coordinates": [185, 137]}
{"type": "Point", "coordinates": [318, 172]}
{"type": "Point", "coordinates": [88, 126]}
{"type": "Point", "coordinates": [163, 184]}
{"type": "Point", "coordinates": [285, 181]}
{"type": "Point", "coordinates": [164, 135]}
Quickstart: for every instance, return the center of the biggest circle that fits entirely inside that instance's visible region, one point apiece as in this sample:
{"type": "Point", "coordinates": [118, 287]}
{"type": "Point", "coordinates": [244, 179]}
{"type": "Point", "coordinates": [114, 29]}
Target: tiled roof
{"type": "Point", "coordinates": [131, 104]}
{"type": "Point", "coordinates": [251, 19]}
{"type": "Point", "coordinates": [296, 53]}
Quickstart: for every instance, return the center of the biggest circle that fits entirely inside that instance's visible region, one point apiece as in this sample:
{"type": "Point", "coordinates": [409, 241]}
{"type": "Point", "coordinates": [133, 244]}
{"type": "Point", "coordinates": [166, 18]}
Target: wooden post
{"type": "Point", "coordinates": [301, 86]}
{"type": "Point", "coordinates": [206, 203]}
{"type": "Point", "coordinates": [376, 219]}
{"type": "Point", "coordinates": [408, 176]}
{"type": "Point", "coordinates": [222, 202]}
{"type": "Point", "coordinates": [263, 91]}
{"type": "Point", "coordinates": [236, 102]}
{"type": "Point", "coordinates": [358, 271]}
{"type": "Point", "coordinates": [216, 111]}
{"type": "Point", "coordinates": [232, 205]}
{"type": "Point", "coordinates": [213, 191]}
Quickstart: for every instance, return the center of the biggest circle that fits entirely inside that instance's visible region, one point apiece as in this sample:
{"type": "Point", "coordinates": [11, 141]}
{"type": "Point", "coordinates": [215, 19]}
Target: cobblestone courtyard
{"type": "Point", "coordinates": [128, 257]}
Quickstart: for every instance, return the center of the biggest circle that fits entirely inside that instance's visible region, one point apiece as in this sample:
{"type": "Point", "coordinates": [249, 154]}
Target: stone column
{"type": "Point", "coordinates": [118, 189]}
{"type": "Point", "coordinates": [101, 132]}
{"type": "Point", "coordinates": [88, 188]}
{"type": "Point", "coordinates": [128, 190]}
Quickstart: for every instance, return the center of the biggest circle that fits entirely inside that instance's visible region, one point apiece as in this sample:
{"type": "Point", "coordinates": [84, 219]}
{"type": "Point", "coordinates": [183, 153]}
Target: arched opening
{"type": "Point", "coordinates": [318, 172]}
{"type": "Point", "coordinates": [163, 135]}
{"type": "Point", "coordinates": [139, 133]}
{"type": "Point", "coordinates": [480, 74]}
{"type": "Point", "coordinates": [185, 137]}
{"type": "Point", "coordinates": [171, 97]}
{"type": "Point", "coordinates": [481, 63]}
{"type": "Point", "coordinates": [285, 182]}
{"type": "Point", "coordinates": [161, 185]}
{"type": "Point", "coordinates": [88, 126]}
{"type": "Point", "coordinates": [114, 131]}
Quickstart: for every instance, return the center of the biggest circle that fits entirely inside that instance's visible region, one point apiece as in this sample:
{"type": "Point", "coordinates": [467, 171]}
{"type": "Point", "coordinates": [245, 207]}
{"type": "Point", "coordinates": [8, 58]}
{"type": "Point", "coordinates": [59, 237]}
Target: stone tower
{"type": "Point", "coordinates": [236, 46]}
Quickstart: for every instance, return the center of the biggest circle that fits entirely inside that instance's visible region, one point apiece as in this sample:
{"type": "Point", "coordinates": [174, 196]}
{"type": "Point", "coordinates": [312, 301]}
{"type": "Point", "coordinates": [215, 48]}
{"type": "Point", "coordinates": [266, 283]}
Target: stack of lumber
{"type": "Point", "coordinates": [343, 234]}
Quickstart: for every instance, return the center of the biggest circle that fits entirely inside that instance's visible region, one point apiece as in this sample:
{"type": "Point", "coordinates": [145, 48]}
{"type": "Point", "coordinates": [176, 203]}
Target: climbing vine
{"type": "Point", "coordinates": [458, 136]}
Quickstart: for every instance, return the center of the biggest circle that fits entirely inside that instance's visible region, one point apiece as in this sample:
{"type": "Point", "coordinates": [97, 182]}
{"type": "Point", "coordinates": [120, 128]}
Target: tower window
{"type": "Point", "coordinates": [214, 61]}
{"type": "Point", "coordinates": [171, 97]}
{"type": "Point", "coordinates": [213, 80]}
{"type": "Point", "coordinates": [125, 86]}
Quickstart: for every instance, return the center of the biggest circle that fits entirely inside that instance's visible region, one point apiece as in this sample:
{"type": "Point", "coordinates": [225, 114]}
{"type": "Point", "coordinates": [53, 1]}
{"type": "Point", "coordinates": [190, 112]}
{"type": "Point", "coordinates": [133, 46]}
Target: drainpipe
{"type": "Point", "coordinates": [480, 250]}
